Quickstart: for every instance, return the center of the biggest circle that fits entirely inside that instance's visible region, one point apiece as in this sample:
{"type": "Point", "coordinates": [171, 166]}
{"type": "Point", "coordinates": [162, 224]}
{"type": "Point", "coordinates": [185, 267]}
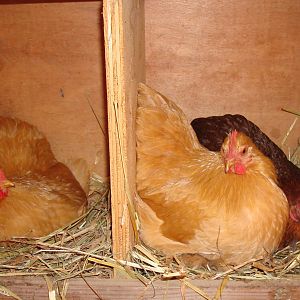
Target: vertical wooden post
{"type": "Point", "coordinates": [125, 67]}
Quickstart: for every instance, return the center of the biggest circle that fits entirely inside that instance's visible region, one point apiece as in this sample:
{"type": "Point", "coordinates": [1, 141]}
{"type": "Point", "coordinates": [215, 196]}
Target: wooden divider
{"type": "Point", "coordinates": [124, 47]}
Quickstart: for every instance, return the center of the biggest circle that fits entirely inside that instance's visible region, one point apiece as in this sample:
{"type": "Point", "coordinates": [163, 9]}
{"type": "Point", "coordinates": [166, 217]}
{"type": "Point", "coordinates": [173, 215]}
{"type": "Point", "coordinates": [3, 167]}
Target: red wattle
{"type": "Point", "coordinates": [239, 169]}
{"type": "Point", "coordinates": [3, 193]}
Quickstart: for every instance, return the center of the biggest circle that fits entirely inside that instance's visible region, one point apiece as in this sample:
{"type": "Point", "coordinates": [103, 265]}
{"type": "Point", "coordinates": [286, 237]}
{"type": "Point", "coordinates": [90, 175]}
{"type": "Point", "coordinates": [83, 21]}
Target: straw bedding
{"type": "Point", "coordinates": [83, 248]}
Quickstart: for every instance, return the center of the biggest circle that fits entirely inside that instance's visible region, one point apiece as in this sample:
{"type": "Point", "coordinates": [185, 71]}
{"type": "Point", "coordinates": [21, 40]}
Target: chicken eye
{"type": "Point", "coordinates": [244, 150]}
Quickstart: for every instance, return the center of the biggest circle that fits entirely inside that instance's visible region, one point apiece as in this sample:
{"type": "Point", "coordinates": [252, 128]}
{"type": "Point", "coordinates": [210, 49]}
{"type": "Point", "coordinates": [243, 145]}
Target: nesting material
{"type": "Point", "coordinates": [84, 249]}
{"type": "Point", "coordinates": [283, 264]}
{"type": "Point", "coordinates": [294, 154]}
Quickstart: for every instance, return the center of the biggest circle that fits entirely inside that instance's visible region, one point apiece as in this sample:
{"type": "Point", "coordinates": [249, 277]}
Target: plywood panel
{"type": "Point", "coordinates": [216, 57]}
{"type": "Point", "coordinates": [51, 64]}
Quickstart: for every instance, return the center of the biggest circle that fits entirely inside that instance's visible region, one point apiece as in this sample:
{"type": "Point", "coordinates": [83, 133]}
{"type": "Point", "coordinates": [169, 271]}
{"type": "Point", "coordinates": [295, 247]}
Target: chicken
{"type": "Point", "coordinates": [223, 206]}
{"type": "Point", "coordinates": [38, 194]}
{"type": "Point", "coordinates": [211, 133]}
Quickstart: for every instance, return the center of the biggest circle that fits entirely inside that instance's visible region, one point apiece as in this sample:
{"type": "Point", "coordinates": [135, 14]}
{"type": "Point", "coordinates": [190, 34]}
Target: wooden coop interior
{"type": "Point", "coordinates": [62, 60]}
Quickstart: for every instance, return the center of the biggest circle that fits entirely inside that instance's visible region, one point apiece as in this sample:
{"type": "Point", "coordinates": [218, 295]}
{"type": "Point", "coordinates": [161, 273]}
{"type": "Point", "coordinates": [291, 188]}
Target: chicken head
{"type": "Point", "coordinates": [239, 153]}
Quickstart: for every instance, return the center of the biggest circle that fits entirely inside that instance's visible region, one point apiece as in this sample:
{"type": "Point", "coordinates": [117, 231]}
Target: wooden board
{"type": "Point", "coordinates": [214, 57]}
{"type": "Point", "coordinates": [41, 1]}
{"type": "Point", "coordinates": [124, 45]}
{"type": "Point", "coordinates": [51, 64]}
{"type": "Point", "coordinates": [95, 288]}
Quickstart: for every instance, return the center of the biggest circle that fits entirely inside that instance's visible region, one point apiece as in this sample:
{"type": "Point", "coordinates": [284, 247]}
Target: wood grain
{"type": "Point", "coordinates": [124, 32]}
{"type": "Point", "coordinates": [51, 64]}
{"type": "Point", "coordinates": [214, 57]}
{"type": "Point", "coordinates": [107, 289]}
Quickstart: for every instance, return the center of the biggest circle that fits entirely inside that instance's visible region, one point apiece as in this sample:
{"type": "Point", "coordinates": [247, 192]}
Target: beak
{"type": "Point", "coordinates": [6, 183]}
{"type": "Point", "coordinates": [228, 165]}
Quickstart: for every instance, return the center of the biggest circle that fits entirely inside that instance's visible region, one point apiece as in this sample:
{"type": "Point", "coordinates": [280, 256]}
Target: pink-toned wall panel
{"type": "Point", "coordinates": [51, 64]}
{"type": "Point", "coordinates": [238, 56]}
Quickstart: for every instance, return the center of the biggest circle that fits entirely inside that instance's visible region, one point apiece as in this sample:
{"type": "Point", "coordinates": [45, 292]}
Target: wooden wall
{"type": "Point", "coordinates": [51, 64]}
{"type": "Point", "coordinates": [238, 56]}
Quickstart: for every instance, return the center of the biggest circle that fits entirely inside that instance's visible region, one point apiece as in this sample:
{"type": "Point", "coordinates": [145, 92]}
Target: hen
{"type": "Point", "coordinates": [222, 206]}
{"type": "Point", "coordinates": [211, 133]}
{"type": "Point", "coordinates": [38, 194]}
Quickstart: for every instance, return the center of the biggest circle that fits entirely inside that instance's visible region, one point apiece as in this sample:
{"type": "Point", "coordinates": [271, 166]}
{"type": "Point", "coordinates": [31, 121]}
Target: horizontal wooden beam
{"type": "Point", "coordinates": [95, 288]}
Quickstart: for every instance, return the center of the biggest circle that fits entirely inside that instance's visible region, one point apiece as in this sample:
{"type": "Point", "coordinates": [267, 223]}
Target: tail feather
{"type": "Point", "coordinates": [162, 124]}
{"type": "Point", "coordinates": [148, 97]}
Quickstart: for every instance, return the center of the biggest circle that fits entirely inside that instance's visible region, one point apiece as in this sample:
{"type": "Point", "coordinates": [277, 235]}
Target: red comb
{"type": "Point", "coordinates": [232, 141]}
{"type": "Point", "coordinates": [232, 137]}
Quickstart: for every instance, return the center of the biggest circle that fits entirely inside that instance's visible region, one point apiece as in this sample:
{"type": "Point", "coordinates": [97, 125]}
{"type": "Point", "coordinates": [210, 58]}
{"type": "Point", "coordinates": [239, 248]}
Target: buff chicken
{"type": "Point", "coordinates": [222, 206]}
{"type": "Point", "coordinates": [211, 132]}
{"type": "Point", "coordinates": [38, 194]}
